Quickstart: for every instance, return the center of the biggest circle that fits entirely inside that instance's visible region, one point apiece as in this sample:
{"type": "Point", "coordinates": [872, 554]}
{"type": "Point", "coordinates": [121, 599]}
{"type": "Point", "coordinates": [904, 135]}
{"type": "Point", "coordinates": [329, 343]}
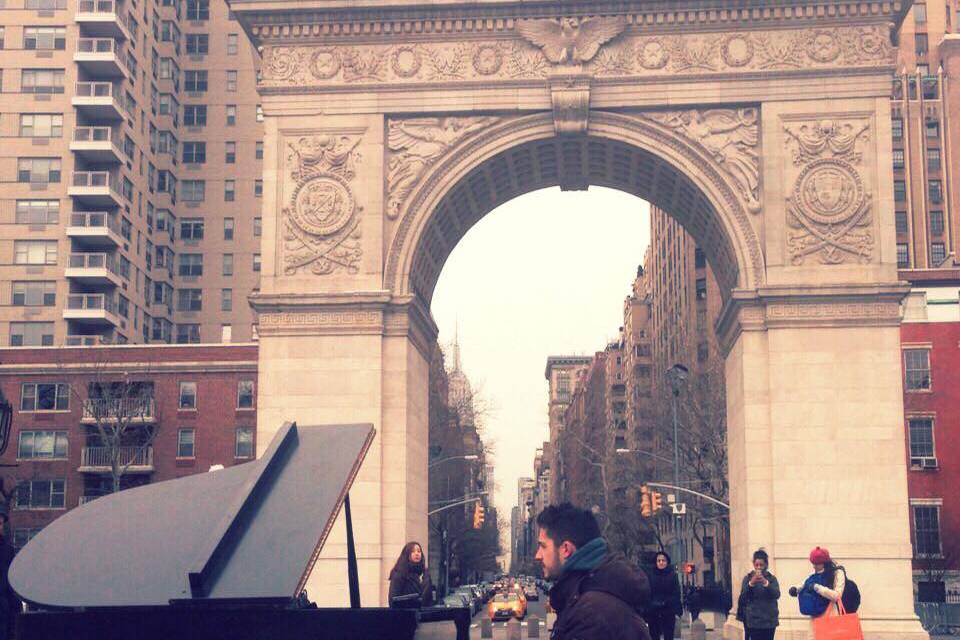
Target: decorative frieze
{"type": "Point", "coordinates": [602, 47]}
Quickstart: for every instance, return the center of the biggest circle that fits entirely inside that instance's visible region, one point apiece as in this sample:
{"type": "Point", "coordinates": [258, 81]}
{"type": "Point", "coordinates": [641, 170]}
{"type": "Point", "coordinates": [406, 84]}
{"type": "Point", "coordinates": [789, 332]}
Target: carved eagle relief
{"type": "Point", "coordinates": [571, 41]}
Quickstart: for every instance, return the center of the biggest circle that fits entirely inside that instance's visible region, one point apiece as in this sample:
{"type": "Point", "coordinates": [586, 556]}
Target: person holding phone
{"type": "Point", "coordinates": [757, 606]}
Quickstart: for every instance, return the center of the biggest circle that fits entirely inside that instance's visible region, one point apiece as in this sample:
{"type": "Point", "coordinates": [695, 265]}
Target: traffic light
{"type": "Point", "coordinates": [645, 509]}
{"type": "Point", "coordinates": [478, 516]}
{"type": "Point", "coordinates": [656, 501]}
{"type": "Point", "coordinates": [689, 568]}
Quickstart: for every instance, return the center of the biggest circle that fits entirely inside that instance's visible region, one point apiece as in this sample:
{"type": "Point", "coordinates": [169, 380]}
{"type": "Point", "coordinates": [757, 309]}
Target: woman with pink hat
{"type": "Point", "coordinates": [823, 588]}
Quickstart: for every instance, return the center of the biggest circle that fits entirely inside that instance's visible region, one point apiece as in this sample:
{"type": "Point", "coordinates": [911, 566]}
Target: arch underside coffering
{"type": "Point", "coordinates": [620, 152]}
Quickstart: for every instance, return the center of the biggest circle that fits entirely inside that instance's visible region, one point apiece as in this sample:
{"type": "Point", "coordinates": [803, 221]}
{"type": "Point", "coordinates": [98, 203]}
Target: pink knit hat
{"type": "Point", "coordinates": [819, 556]}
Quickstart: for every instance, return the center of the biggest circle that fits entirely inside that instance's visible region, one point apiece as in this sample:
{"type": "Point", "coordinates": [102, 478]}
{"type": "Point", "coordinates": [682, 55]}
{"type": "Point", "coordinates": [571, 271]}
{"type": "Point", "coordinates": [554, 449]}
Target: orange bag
{"type": "Point", "coordinates": [843, 626]}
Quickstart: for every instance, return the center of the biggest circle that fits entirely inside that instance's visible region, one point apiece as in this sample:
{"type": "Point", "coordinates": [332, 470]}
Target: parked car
{"type": "Point", "coordinates": [471, 597]}
{"type": "Point", "coordinates": [507, 605]}
{"type": "Point", "coordinates": [456, 601]}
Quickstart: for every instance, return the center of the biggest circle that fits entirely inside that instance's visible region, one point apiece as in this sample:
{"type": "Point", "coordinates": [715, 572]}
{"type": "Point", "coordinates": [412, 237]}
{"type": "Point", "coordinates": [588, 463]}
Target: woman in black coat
{"type": "Point", "coordinates": [665, 605]}
{"type": "Point", "coordinates": [410, 577]}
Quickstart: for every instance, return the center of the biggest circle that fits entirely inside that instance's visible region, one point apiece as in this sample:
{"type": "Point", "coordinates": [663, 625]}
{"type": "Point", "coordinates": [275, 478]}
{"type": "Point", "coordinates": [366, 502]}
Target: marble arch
{"type": "Point", "coordinates": [764, 125]}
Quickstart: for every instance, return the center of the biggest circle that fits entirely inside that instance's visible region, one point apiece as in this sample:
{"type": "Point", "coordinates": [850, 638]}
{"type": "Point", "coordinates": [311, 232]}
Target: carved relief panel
{"type": "Point", "coordinates": [829, 203]}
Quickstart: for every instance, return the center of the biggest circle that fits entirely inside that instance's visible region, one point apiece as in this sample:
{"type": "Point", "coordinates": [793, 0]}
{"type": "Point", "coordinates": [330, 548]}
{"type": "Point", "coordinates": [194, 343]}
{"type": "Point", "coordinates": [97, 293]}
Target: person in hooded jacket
{"type": "Point", "coordinates": [409, 577]}
{"type": "Point", "coordinates": [597, 595]}
{"type": "Point", "coordinates": [665, 605]}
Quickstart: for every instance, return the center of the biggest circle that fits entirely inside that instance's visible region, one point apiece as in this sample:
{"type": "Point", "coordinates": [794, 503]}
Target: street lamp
{"type": "Point", "coordinates": [677, 376]}
{"type": "Point", "coordinates": [467, 457]}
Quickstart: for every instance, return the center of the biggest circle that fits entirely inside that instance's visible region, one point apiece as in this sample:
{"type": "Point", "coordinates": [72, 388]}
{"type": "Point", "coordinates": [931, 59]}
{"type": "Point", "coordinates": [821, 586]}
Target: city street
{"type": "Point", "coordinates": [536, 612]}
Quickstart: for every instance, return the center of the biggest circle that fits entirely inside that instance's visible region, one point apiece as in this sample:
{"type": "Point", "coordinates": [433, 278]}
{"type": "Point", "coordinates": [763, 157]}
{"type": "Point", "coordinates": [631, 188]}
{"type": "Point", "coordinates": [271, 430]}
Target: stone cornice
{"type": "Point", "coordinates": [826, 306]}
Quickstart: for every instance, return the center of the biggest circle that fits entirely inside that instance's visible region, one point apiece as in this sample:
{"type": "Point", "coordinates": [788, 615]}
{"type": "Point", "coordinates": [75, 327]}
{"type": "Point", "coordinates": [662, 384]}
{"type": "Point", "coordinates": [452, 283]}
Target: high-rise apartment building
{"type": "Point", "coordinates": [561, 374]}
{"type": "Point", "coordinates": [129, 175]}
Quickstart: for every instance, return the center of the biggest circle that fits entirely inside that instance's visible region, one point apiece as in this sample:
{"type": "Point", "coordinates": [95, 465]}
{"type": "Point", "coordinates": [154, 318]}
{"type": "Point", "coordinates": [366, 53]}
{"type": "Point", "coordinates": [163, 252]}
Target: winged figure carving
{"type": "Point", "coordinates": [571, 41]}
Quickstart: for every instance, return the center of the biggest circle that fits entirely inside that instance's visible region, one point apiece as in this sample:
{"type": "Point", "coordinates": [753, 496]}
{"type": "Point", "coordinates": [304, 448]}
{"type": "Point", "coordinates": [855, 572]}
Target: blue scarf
{"type": "Point", "coordinates": [587, 557]}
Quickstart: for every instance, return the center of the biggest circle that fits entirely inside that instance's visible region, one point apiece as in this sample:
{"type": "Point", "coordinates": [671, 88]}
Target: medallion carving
{"type": "Point", "coordinates": [417, 143]}
{"type": "Point", "coordinates": [829, 207]}
{"type": "Point", "coordinates": [321, 231]}
{"type": "Point", "coordinates": [730, 136]}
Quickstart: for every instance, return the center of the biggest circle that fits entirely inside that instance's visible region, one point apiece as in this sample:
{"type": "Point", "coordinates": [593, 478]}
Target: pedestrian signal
{"type": "Point", "coordinates": [689, 568]}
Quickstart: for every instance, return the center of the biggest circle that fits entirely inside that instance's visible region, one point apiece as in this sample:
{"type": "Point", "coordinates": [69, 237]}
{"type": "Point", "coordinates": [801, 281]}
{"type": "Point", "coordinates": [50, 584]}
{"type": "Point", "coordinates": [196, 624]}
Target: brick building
{"type": "Point", "coordinates": [199, 400]}
{"type": "Point", "coordinates": [930, 340]}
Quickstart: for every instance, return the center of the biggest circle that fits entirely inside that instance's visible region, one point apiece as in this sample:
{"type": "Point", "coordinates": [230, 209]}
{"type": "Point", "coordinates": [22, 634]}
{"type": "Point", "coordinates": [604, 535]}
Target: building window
{"type": "Point", "coordinates": [701, 288]}
{"type": "Point", "coordinates": [41, 81]}
{"type": "Point", "coordinates": [932, 128]}
{"type": "Point", "coordinates": [188, 334]}
{"type": "Point", "coordinates": [35, 252]}
{"type": "Point", "coordinates": [195, 152]}
{"type": "Point", "coordinates": [195, 81]}
{"type": "Point", "coordinates": [226, 300]}
{"type": "Point", "coordinates": [259, 113]}
{"type": "Point", "coordinates": [903, 255]}
{"type": "Point", "coordinates": [198, 44]}
{"type": "Point", "coordinates": [899, 190]}
{"type": "Point", "coordinates": [920, 13]}
{"type": "Point", "coordinates": [257, 227]}
{"type": "Point", "coordinates": [231, 115]}
{"type": "Point", "coordinates": [926, 530]}
{"type": "Point", "coordinates": [38, 211]}
{"type": "Point", "coordinates": [900, 218]}
{"type": "Point", "coordinates": [921, 438]}
{"type": "Point", "coordinates": [259, 150]}
{"type": "Point", "coordinates": [191, 228]}
{"type": "Point", "coordinates": [38, 170]}
{"type": "Point", "coordinates": [936, 222]}
{"type": "Point", "coordinates": [195, 115]}
{"type": "Point", "coordinates": [191, 264]}
{"type": "Point", "coordinates": [256, 263]}
{"type": "Point", "coordinates": [228, 264]}
{"type": "Point", "coordinates": [41, 125]}
{"type": "Point", "coordinates": [933, 159]}
{"type": "Point", "coordinates": [935, 189]}
{"type": "Point", "coordinates": [45, 38]}
{"type": "Point", "coordinates": [898, 159]}
{"type": "Point", "coordinates": [245, 394]}
{"type": "Point", "coordinates": [230, 153]}
{"type": "Point", "coordinates": [42, 444]}
{"type": "Point", "coordinates": [198, 9]}
{"type": "Point", "coordinates": [229, 190]}
{"type": "Point", "coordinates": [231, 81]}
{"type": "Point", "coordinates": [938, 253]}
{"type": "Point", "coordinates": [23, 535]}
{"type": "Point", "coordinates": [193, 190]}
{"type": "Point", "coordinates": [45, 396]}
{"type": "Point", "coordinates": [185, 442]}
{"type": "Point", "coordinates": [258, 188]}
{"type": "Point", "coordinates": [232, 43]}
{"type": "Point", "coordinates": [244, 442]}
{"type": "Point", "coordinates": [896, 125]}
{"type": "Point", "coordinates": [190, 300]}
{"type": "Point", "coordinates": [922, 43]}
{"type": "Point", "coordinates": [34, 294]}
{"type": "Point", "coordinates": [41, 494]}
{"type": "Point", "coordinates": [917, 366]}
{"type": "Point", "coordinates": [188, 396]}
{"type": "Point", "coordinates": [31, 334]}
{"type": "Point", "coordinates": [228, 228]}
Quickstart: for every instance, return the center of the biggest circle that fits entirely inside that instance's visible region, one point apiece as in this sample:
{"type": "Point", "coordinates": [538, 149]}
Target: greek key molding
{"type": "Point", "coordinates": [313, 320]}
{"type": "Point", "coordinates": [514, 56]}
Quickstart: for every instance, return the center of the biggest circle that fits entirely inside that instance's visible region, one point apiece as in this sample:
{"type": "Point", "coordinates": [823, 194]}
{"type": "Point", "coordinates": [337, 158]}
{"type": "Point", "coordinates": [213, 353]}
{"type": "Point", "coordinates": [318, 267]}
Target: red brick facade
{"type": "Point", "coordinates": [217, 370]}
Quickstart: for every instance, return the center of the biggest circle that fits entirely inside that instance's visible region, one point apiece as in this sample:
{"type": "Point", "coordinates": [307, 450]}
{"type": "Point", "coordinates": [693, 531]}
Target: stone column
{"type": "Point", "coordinates": [816, 445]}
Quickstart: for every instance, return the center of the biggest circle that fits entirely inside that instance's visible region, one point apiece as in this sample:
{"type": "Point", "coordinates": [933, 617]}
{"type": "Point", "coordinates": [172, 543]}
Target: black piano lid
{"type": "Point", "coordinates": [250, 532]}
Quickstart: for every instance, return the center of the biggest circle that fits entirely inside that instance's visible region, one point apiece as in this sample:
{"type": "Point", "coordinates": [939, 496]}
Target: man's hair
{"type": "Point", "coordinates": [564, 522]}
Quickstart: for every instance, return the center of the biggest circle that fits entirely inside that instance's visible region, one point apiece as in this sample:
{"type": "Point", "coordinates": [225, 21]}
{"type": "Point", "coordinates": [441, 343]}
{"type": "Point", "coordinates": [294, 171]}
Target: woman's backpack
{"type": "Point", "coordinates": [851, 594]}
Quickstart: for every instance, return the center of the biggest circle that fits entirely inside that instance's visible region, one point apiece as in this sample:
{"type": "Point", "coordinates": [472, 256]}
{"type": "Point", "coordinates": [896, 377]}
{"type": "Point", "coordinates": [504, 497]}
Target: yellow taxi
{"type": "Point", "coordinates": [504, 606]}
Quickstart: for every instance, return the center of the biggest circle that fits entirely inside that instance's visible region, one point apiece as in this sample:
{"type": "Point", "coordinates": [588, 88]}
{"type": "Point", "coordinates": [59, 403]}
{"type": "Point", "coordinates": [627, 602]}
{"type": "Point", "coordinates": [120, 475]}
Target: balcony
{"type": "Point", "coordinates": [97, 459]}
{"type": "Point", "coordinates": [93, 269]}
{"type": "Point", "coordinates": [83, 340]}
{"type": "Point", "coordinates": [101, 57]}
{"type": "Point", "coordinates": [97, 144]}
{"type": "Point", "coordinates": [98, 188]}
{"type": "Point", "coordinates": [94, 229]}
{"type": "Point", "coordinates": [133, 410]}
{"type": "Point", "coordinates": [92, 309]}
{"type": "Point", "coordinates": [102, 18]}
{"type": "Point", "coordinates": [99, 100]}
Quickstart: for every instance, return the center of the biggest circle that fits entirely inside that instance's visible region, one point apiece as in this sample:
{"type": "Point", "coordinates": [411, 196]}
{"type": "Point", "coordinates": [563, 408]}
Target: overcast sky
{"type": "Point", "coordinates": [544, 274]}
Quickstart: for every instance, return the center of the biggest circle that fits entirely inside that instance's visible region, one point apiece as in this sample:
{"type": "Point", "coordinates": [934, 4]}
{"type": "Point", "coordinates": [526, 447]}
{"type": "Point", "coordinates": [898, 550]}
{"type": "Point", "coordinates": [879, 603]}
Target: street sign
{"type": "Point", "coordinates": [679, 508]}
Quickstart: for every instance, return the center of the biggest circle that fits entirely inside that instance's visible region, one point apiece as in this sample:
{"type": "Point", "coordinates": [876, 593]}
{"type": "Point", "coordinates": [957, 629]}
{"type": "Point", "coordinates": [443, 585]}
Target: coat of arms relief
{"type": "Point", "coordinates": [320, 223]}
{"type": "Point", "coordinates": [829, 208]}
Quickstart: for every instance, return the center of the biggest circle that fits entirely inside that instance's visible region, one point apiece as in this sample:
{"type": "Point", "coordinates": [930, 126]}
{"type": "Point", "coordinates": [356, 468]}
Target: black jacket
{"type": "Point", "coordinates": [760, 602]}
{"type": "Point", "coordinates": [601, 604]}
{"type": "Point", "coordinates": [411, 583]}
{"type": "Point", "coordinates": [664, 592]}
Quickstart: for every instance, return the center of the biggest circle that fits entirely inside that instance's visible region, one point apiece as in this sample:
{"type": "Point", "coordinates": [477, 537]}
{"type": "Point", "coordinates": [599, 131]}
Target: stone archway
{"type": "Point", "coordinates": [393, 125]}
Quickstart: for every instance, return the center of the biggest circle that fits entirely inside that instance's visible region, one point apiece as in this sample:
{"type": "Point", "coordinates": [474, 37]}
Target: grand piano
{"type": "Point", "coordinates": [220, 555]}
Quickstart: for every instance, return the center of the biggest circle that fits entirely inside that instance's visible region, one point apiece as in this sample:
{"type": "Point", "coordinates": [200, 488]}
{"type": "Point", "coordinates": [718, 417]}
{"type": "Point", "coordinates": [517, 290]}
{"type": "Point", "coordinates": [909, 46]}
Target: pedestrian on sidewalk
{"type": "Point", "coordinates": [823, 589]}
{"type": "Point", "coordinates": [757, 606]}
{"type": "Point", "coordinates": [597, 595]}
{"type": "Point", "coordinates": [665, 604]}
{"type": "Point", "coordinates": [409, 579]}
